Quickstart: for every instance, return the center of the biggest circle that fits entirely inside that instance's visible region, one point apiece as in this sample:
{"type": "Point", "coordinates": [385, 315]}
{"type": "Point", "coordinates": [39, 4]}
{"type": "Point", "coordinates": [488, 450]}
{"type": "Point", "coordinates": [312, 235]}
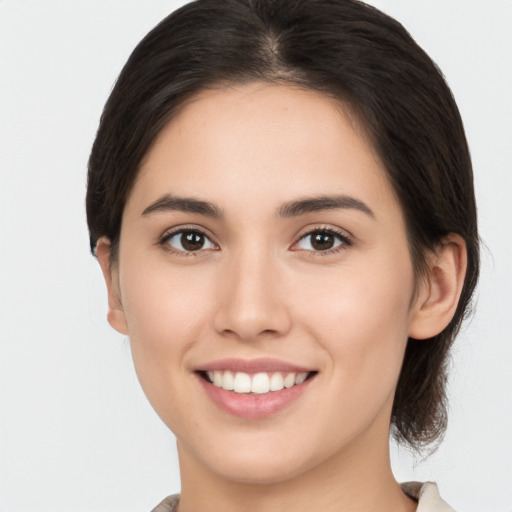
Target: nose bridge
{"type": "Point", "coordinates": [251, 300]}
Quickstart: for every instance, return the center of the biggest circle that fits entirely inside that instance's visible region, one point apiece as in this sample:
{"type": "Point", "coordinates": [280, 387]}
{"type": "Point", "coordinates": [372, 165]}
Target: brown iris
{"type": "Point", "coordinates": [321, 241]}
{"type": "Point", "coordinates": [192, 241]}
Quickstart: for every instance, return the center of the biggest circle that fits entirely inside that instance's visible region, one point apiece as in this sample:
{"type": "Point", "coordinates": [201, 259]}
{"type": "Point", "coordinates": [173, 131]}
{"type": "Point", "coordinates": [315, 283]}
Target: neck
{"type": "Point", "coordinates": [359, 478]}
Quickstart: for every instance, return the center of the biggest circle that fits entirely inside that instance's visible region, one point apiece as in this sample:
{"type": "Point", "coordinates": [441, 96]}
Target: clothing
{"type": "Point", "coordinates": [426, 494]}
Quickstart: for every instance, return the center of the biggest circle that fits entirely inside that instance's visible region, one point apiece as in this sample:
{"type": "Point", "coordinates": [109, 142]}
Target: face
{"type": "Point", "coordinates": [262, 248]}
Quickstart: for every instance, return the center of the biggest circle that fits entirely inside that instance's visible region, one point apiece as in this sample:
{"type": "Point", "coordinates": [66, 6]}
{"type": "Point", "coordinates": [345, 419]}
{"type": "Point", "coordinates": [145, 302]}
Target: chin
{"type": "Point", "coordinates": [260, 465]}
{"type": "Point", "coordinates": [260, 473]}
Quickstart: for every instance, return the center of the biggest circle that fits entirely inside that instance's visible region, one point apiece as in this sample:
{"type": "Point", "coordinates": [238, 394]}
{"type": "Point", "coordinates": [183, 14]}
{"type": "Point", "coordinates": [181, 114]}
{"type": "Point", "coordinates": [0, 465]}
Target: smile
{"type": "Point", "coordinates": [254, 389]}
{"type": "Point", "coordinates": [259, 383]}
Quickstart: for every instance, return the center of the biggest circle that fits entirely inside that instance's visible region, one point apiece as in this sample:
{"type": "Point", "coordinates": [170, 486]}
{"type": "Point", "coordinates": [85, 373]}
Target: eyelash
{"type": "Point", "coordinates": [164, 240]}
{"type": "Point", "coordinates": [346, 241]}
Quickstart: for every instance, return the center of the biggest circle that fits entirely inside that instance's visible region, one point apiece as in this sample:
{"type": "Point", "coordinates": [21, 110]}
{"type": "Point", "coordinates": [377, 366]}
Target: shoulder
{"type": "Point", "coordinates": [170, 504]}
{"type": "Point", "coordinates": [427, 495]}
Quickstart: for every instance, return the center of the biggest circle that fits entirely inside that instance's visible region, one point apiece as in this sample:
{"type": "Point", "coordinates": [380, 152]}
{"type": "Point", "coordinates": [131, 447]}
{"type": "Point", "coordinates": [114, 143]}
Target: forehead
{"type": "Point", "coordinates": [240, 142]}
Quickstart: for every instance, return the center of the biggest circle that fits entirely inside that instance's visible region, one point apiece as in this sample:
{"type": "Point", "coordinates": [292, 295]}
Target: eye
{"type": "Point", "coordinates": [323, 240]}
{"type": "Point", "coordinates": [187, 240]}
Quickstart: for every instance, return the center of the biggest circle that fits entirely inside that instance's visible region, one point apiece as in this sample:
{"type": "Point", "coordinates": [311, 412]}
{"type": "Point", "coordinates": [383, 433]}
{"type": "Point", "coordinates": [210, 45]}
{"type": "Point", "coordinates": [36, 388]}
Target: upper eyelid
{"type": "Point", "coordinates": [180, 229]}
{"type": "Point", "coordinates": [324, 227]}
{"type": "Point", "coordinates": [345, 238]}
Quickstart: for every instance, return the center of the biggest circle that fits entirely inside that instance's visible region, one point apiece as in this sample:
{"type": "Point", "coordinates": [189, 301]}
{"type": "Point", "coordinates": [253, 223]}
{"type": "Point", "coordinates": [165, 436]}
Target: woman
{"type": "Point", "coordinates": [281, 200]}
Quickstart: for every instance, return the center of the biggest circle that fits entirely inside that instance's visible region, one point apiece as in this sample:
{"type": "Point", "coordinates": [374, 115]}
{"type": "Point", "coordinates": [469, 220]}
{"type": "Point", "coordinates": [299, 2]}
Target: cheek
{"type": "Point", "coordinates": [166, 312]}
{"type": "Point", "coordinates": [361, 316]}
{"type": "Point", "coordinates": [161, 303]}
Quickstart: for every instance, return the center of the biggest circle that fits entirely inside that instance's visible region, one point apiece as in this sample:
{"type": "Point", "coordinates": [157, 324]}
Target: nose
{"type": "Point", "coordinates": [252, 302]}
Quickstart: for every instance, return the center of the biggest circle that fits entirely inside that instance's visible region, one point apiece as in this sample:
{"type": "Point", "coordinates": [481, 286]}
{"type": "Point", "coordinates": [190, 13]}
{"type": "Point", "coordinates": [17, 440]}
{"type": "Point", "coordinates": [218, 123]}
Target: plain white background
{"type": "Point", "coordinates": [76, 433]}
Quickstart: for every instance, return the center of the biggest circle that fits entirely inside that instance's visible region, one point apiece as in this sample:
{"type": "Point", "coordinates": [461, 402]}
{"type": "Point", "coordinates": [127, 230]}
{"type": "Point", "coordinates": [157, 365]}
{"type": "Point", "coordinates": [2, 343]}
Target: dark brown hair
{"type": "Point", "coordinates": [350, 51]}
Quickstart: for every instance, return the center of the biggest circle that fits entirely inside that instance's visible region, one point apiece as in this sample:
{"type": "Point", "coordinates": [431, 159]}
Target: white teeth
{"type": "Point", "coordinates": [228, 381]}
{"type": "Point", "coordinates": [242, 383]}
{"type": "Point", "coordinates": [276, 382]}
{"type": "Point", "coordinates": [259, 383]}
{"type": "Point", "coordinates": [289, 380]}
{"type": "Point", "coordinates": [217, 379]}
{"type": "Point", "coordinates": [301, 377]}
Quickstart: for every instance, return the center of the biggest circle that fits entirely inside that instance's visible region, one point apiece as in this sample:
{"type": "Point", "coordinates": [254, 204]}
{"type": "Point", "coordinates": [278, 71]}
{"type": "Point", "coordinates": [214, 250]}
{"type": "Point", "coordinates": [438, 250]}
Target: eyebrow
{"type": "Point", "coordinates": [323, 203]}
{"type": "Point", "coordinates": [290, 209]}
{"type": "Point", "coordinates": [183, 204]}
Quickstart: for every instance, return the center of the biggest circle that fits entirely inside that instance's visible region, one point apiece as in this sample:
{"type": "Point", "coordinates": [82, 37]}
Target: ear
{"type": "Point", "coordinates": [440, 289]}
{"type": "Point", "coordinates": [116, 317]}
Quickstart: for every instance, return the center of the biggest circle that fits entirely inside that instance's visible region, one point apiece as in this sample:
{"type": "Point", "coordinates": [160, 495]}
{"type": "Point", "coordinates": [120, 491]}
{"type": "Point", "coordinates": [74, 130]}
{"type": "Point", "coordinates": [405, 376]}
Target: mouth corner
{"type": "Point", "coordinates": [203, 374]}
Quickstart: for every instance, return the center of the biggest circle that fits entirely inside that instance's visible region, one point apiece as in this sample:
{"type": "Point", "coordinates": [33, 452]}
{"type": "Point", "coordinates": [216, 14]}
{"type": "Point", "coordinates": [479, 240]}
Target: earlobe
{"type": "Point", "coordinates": [115, 315]}
{"type": "Point", "coordinates": [440, 289]}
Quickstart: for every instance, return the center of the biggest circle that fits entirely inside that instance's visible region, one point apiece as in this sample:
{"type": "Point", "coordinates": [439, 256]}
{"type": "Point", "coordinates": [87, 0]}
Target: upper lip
{"type": "Point", "coordinates": [253, 366]}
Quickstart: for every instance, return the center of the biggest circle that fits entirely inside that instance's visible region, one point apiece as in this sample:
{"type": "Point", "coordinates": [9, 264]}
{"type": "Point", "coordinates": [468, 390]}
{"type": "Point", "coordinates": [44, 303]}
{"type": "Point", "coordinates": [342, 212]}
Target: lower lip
{"type": "Point", "coordinates": [250, 406]}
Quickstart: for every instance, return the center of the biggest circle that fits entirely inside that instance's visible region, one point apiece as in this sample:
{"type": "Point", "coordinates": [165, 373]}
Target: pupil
{"type": "Point", "coordinates": [192, 241]}
{"type": "Point", "coordinates": [322, 241]}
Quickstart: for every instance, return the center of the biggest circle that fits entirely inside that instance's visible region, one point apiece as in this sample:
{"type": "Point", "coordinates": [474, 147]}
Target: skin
{"type": "Point", "coordinates": [258, 288]}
